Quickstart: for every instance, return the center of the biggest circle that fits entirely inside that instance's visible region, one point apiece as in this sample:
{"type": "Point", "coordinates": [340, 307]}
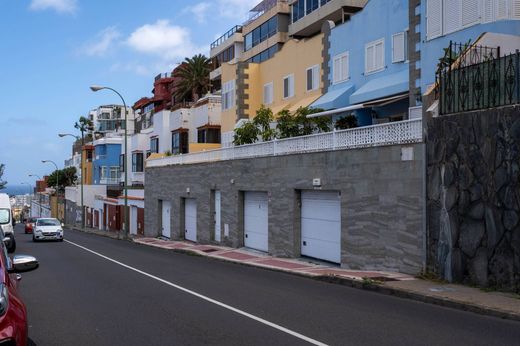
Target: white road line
{"type": "Point", "coordinates": [203, 297]}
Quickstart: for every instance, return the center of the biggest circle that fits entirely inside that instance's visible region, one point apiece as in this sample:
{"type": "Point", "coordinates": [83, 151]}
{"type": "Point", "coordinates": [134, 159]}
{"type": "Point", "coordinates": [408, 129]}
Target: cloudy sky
{"type": "Point", "coordinates": [52, 50]}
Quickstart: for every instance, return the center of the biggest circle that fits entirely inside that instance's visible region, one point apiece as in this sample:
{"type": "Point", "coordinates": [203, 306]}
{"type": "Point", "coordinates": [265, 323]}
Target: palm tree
{"type": "Point", "coordinates": [2, 183]}
{"type": "Point", "coordinates": [84, 124]}
{"type": "Point", "coordinates": [192, 77]}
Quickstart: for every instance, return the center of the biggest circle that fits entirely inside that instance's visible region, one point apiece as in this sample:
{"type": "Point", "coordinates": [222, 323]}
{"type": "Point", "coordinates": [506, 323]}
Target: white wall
{"type": "Point", "coordinates": [161, 129]}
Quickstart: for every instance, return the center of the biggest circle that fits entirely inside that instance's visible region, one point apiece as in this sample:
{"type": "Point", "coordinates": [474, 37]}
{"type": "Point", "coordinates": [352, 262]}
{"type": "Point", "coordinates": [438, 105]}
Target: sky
{"type": "Point", "coordinates": [51, 51]}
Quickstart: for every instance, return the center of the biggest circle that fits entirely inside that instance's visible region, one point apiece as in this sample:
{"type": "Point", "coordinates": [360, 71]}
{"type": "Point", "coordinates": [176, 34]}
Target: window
{"type": "Point", "coordinates": [399, 47]}
{"type": "Point", "coordinates": [208, 135]}
{"type": "Point", "coordinates": [122, 162]}
{"type": "Point", "coordinates": [301, 8]}
{"type": "Point", "coordinates": [340, 68]}
{"type": "Point", "coordinates": [447, 16]}
{"type": "Point", "coordinates": [288, 87]}
{"type": "Point", "coordinates": [104, 172]}
{"type": "Point", "coordinates": [264, 55]}
{"type": "Point", "coordinates": [115, 173]}
{"type": "Point", "coordinates": [261, 33]}
{"type": "Point", "coordinates": [268, 93]}
{"type": "Point", "coordinates": [154, 145]}
{"type": "Point", "coordinates": [375, 56]}
{"type": "Point", "coordinates": [313, 78]}
{"type": "Point", "coordinates": [137, 162]}
{"type": "Point", "coordinates": [228, 95]}
{"type": "Point", "coordinates": [180, 142]}
{"type": "Point", "coordinates": [312, 5]}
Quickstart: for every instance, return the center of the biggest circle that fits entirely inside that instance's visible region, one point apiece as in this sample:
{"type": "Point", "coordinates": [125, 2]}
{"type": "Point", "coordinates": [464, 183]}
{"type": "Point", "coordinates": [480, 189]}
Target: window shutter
{"type": "Point", "coordinates": [344, 67]}
{"type": "Point", "coordinates": [291, 86]}
{"type": "Point", "coordinates": [336, 70]}
{"type": "Point", "coordinates": [315, 77]}
{"type": "Point", "coordinates": [452, 16]}
{"type": "Point", "coordinates": [369, 59]}
{"type": "Point", "coordinates": [501, 9]}
{"type": "Point", "coordinates": [470, 12]}
{"type": "Point", "coordinates": [398, 47]}
{"type": "Point", "coordinates": [433, 19]}
{"type": "Point", "coordinates": [515, 9]}
{"type": "Point", "coordinates": [488, 11]}
{"type": "Point", "coordinates": [380, 56]}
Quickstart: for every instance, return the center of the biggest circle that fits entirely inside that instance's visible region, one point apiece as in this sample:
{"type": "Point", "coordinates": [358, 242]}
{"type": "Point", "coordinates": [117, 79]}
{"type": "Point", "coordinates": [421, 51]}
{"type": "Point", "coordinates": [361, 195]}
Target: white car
{"type": "Point", "coordinates": [48, 229]}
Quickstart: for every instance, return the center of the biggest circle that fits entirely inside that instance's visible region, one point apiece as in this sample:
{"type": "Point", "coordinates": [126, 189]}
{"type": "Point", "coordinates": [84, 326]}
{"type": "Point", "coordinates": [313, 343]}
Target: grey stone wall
{"type": "Point", "coordinates": [473, 197]}
{"type": "Point", "coordinates": [72, 211]}
{"type": "Point", "coordinates": [381, 198]}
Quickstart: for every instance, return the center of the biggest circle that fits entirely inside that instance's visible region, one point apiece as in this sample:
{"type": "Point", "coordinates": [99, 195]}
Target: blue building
{"type": "Point", "coordinates": [463, 21]}
{"type": "Point", "coordinates": [106, 163]}
{"type": "Point", "coordinates": [368, 65]}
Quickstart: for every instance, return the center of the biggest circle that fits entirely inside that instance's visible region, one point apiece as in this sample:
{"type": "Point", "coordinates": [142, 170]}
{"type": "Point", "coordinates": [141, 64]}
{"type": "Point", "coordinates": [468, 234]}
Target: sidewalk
{"type": "Point", "coordinates": [497, 304]}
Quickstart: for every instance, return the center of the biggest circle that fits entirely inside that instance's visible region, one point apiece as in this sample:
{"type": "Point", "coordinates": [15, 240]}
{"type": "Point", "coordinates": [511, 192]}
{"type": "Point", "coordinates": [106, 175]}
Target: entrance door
{"type": "Point", "coordinates": [217, 216]}
{"type": "Point", "coordinates": [166, 211]}
{"type": "Point", "coordinates": [321, 225]}
{"type": "Point", "coordinates": [190, 219]}
{"type": "Point", "coordinates": [256, 221]}
{"type": "Point", "coordinates": [133, 220]}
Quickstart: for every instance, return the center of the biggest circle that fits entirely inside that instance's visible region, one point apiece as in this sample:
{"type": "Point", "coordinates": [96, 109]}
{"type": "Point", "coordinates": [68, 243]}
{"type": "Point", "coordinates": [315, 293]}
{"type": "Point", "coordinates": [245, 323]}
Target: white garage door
{"type": "Point", "coordinates": [166, 210]}
{"type": "Point", "coordinates": [191, 219]}
{"type": "Point", "coordinates": [256, 221]}
{"type": "Point", "coordinates": [321, 225]}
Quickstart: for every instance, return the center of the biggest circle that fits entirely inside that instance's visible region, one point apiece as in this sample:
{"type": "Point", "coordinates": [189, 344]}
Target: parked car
{"type": "Point", "coordinates": [13, 314]}
{"type": "Point", "coordinates": [48, 229]}
{"type": "Point", "coordinates": [29, 225]}
{"type": "Point", "coordinates": [8, 226]}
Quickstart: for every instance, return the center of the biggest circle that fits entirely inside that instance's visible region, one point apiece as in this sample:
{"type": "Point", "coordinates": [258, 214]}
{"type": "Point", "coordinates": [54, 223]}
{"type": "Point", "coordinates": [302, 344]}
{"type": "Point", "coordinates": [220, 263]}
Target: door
{"type": "Point", "coordinates": [140, 221]}
{"type": "Point", "coordinates": [166, 211]}
{"type": "Point", "coordinates": [133, 220]}
{"type": "Point", "coordinates": [190, 219]}
{"type": "Point", "coordinates": [321, 225]}
{"type": "Point", "coordinates": [256, 221]}
{"type": "Point", "coordinates": [217, 216]}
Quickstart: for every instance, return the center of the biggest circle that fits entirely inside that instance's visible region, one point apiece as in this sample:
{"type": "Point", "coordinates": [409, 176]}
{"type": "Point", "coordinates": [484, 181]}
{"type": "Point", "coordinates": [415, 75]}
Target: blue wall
{"type": "Point", "coordinates": [432, 51]}
{"type": "Point", "coordinates": [111, 153]}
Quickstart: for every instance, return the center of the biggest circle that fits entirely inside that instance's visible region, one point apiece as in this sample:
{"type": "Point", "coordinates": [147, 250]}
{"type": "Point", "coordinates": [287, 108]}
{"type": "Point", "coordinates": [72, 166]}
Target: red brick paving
{"type": "Point", "coordinates": [237, 256]}
{"type": "Point", "coordinates": [282, 264]}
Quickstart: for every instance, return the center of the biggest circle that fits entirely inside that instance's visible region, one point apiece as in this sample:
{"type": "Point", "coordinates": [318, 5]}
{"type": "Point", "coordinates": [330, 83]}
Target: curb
{"type": "Point", "coordinates": [367, 286]}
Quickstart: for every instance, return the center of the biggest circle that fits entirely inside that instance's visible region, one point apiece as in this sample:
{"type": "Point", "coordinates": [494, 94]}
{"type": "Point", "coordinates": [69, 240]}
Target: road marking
{"type": "Point", "coordinates": [203, 297]}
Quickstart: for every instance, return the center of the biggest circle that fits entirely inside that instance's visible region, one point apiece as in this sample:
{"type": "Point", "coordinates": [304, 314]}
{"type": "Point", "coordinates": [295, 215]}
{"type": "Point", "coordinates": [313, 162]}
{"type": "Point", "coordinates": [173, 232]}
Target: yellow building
{"type": "Point", "coordinates": [86, 164]}
{"type": "Point", "coordinates": [292, 78]}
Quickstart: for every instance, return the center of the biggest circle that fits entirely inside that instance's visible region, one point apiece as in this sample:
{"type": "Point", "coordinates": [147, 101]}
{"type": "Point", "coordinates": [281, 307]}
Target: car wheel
{"type": "Point", "coordinates": [60, 240]}
{"type": "Point", "coordinates": [34, 239]}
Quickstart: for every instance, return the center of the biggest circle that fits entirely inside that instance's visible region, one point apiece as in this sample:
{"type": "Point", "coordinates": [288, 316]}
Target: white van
{"type": "Point", "coordinates": [7, 221]}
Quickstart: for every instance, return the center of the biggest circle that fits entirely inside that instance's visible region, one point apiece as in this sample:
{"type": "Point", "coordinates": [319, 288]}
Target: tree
{"type": "Point", "coordinates": [2, 182]}
{"type": "Point", "coordinates": [346, 122]}
{"type": "Point", "coordinates": [84, 125]}
{"type": "Point", "coordinates": [297, 124]}
{"type": "Point", "coordinates": [262, 120]}
{"type": "Point", "coordinates": [65, 177]}
{"type": "Point", "coordinates": [246, 134]}
{"type": "Point", "coordinates": [192, 77]}
{"type": "Point", "coordinates": [287, 125]}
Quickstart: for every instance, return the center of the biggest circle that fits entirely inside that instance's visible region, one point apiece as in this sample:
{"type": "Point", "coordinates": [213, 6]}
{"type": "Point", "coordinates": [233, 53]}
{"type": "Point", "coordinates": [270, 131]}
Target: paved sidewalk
{"type": "Point", "coordinates": [497, 304]}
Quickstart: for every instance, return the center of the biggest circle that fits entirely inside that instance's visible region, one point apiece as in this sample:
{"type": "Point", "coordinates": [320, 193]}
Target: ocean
{"type": "Point", "coordinates": [16, 189]}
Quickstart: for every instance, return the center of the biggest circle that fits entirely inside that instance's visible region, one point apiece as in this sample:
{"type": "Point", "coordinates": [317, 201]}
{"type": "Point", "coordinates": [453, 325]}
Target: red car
{"type": "Point", "coordinates": [29, 225]}
{"type": "Point", "coordinates": [13, 315]}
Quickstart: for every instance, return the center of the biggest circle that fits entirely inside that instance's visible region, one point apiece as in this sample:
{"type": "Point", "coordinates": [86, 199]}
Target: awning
{"type": "Point", "coordinates": [336, 98]}
{"type": "Point", "coordinates": [306, 102]}
{"type": "Point", "coordinates": [392, 84]}
{"type": "Point", "coordinates": [375, 103]}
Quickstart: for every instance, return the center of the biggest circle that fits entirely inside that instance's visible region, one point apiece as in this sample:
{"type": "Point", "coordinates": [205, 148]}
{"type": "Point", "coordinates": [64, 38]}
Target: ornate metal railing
{"type": "Point", "coordinates": [474, 77]}
{"type": "Point", "coordinates": [401, 132]}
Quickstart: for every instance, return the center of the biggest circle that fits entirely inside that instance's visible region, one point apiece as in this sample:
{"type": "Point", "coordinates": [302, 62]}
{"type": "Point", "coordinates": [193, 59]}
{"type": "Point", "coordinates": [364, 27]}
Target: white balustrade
{"type": "Point", "coordinates": [401, 132]}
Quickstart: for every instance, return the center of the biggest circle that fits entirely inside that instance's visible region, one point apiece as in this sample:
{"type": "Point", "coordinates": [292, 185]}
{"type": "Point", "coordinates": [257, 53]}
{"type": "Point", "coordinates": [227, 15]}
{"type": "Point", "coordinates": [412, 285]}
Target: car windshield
{"type": "Point", "coordinates": [48, 222]}
{"type": "Point", "coordinates": [4, 216]}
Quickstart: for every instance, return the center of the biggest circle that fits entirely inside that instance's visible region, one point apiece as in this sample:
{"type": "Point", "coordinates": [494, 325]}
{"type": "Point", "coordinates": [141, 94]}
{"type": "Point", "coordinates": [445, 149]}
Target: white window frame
{"type": "Point", "coordinates": [290, 92]}
{"type": "Point", "coordinates": [404, 57]}
{"type": "Point", "coordinates": [373, 45]}
{"type": "Point", "coordinates": [268, 93]}
{"type": "Point", "coordinates": [344, 70]}
{"type": "Point", "coordinates": [315, 75]}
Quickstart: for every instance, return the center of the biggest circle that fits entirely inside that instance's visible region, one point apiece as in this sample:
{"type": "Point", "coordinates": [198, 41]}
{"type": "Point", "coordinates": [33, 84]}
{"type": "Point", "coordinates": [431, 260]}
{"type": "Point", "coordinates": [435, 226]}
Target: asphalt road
{"type": "Point", "coordinates": [139, 295]}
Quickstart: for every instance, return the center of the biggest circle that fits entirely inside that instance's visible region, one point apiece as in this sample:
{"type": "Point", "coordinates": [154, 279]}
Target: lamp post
{"type": "Point", "coordinates": [81, 170]}
{"type": "Point", "coordinates": [96, 88]}
{"type": "Point", "coordinates": [57, 179]}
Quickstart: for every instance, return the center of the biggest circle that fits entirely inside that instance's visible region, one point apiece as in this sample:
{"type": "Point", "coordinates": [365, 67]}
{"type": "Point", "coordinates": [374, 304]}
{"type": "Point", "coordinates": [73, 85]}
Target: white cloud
{"type": "Point", "coordinates": [199, 10]}
{"type": "Point", "coordinates": [236, 9]}
{"type": "Point", "coordinates": [60, 6]}
{"type": "Point", "coordinates": [103, 42]}
{"type": "Point", "coordinates": [163, 39]}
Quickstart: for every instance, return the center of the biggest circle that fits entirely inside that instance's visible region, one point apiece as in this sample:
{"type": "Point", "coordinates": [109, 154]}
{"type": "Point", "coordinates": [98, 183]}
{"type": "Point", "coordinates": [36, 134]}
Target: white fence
{"type": "Point", "coordinates": [402, 132]}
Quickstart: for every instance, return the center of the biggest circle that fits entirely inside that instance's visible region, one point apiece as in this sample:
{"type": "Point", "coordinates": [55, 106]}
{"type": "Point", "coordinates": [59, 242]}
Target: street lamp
{"type": "Point", "coordinates": [81, 169]}
{"type": "Point", "coordinates": [57, 180]}
{"type": "Point", "coordinates": [96, 88]}
{"type": "Point", "coordinates": [39, 196]}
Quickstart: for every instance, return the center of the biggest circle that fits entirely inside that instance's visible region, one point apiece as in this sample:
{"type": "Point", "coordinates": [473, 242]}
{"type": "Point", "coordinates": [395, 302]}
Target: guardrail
{"type": "Point", "coordinates": [402, 132]}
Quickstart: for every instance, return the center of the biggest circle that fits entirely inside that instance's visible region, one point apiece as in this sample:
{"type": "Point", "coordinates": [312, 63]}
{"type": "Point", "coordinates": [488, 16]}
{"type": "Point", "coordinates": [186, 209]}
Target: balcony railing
{"type": "Point", "coordinates": [223, 38]}
{"type": "Point", "coordinates": [402, 132]}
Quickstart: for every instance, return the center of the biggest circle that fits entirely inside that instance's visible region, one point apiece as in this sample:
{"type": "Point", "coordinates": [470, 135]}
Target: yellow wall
{"type": "Point", "coordinates": [196, 147]}
{"type": "Point", "coordinates": [295, 57]}
{"type": "Point", "coordinates": [87, 169]}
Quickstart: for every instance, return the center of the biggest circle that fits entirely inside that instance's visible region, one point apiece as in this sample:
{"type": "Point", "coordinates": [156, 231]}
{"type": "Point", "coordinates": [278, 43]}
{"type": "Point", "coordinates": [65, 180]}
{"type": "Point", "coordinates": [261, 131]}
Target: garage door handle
{"type": "Point", "coordinates": [246, 235]}
{"type": "Point", "coordinates": [304, 243]}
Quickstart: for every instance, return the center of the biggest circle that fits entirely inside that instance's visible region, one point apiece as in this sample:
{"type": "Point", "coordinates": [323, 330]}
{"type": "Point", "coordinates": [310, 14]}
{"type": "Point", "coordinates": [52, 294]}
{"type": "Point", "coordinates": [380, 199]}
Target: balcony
{"type": "Point", "coordinates": [219, 41]}
{"type": "Point", "coordinates": [109, 181]}
{"type": "Point", "coordinates": [334, 10]}
{"type": "Point", "coordinates": [401, 132]}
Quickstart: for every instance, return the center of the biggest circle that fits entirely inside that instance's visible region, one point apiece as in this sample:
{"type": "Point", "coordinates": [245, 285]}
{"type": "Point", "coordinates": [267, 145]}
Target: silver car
{"type": "Point", "coordinates": [48, 229]}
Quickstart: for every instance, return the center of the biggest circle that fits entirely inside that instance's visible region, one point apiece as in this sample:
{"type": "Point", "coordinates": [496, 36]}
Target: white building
{"type": "Point", "coordinates": [110, 118]}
